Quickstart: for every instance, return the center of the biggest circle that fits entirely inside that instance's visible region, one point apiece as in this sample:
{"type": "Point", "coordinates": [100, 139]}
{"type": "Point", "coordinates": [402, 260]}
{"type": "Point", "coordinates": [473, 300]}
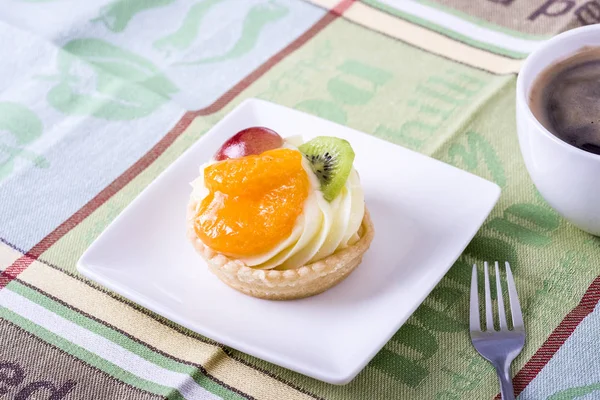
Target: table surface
{"type": "Point", "coordinates": [97, 98]}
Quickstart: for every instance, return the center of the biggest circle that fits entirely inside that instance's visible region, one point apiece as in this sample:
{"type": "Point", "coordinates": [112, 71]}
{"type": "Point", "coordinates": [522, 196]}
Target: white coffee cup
{"type": "Point", "coordinates": [566, 176]}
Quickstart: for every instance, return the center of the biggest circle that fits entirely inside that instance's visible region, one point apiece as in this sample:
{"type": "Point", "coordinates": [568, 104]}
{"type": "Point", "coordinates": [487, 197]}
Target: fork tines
{"type": "Point", "coordinates": [515, 308]}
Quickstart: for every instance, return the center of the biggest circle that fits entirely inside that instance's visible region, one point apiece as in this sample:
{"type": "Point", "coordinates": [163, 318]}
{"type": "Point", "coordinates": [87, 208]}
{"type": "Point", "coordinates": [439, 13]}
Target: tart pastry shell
{"type": "Point", "coordinates": [307, 280]}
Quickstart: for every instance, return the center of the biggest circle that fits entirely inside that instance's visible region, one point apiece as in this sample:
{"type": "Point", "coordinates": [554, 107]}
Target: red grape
{"type": "Point", "coordinates": [254, 140]}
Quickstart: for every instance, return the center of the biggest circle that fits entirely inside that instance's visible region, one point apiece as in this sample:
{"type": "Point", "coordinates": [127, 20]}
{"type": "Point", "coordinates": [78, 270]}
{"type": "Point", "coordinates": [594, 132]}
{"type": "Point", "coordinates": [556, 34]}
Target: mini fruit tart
{"type": "Point", "coordinates": [280, 219]}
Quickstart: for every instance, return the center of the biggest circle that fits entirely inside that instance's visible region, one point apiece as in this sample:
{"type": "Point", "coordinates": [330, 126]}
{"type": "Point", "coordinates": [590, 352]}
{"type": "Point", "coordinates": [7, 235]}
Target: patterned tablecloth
{"type": "Point", "coordinates": [98, 97]}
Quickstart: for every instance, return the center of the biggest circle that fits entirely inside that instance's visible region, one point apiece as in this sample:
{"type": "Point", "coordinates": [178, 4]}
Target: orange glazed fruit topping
{"type": "Point", "coordinates": [253, 202]}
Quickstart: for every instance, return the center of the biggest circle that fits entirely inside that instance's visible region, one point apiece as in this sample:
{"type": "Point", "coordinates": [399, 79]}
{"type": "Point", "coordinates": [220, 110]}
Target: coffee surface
{"type": "Point", "coordinates": [565, 98]}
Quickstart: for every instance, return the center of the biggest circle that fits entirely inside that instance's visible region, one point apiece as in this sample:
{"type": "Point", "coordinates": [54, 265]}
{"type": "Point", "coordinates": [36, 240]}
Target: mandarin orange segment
{"type": "Point", "coordinates": [253, 202]}
{"type": "Point", "coordinates": [253, 174]}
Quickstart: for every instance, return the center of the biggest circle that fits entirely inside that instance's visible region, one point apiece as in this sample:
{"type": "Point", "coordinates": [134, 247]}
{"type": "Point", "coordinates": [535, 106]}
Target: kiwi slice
{"type": "Point", "coordinates": [331, 159]}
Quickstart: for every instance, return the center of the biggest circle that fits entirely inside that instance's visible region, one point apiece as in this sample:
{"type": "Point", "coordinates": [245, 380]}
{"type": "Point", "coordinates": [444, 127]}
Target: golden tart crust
{"type": "Point", "coordinates": [305, 281]}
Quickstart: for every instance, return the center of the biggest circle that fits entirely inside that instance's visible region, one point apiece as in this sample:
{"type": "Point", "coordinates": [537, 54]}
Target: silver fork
{"type": "Point", "coordinates": [498, 347]}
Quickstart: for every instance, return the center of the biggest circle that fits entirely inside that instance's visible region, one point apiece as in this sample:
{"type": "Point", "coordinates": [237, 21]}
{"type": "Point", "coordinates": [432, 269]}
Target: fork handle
{"type": "Point", "coordinates": [506, 387]}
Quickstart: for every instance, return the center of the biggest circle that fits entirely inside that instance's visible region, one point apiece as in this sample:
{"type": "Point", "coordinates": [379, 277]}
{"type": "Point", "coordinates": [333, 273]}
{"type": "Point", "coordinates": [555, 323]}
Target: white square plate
{"type": "Point", "coordinates": [425, 213]}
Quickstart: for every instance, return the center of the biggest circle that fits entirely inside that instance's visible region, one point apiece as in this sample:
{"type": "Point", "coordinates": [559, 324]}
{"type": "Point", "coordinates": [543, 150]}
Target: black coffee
{"type": "Point", "coordinates": [566, 99]}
